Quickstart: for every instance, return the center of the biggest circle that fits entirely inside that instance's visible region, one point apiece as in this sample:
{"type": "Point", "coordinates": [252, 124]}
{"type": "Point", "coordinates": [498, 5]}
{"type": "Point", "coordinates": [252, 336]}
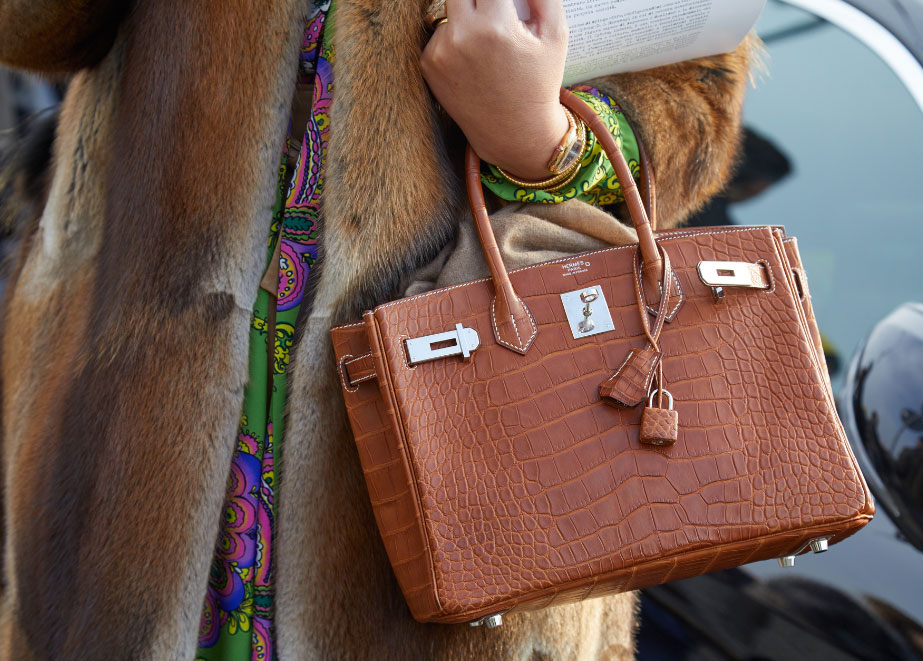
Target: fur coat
{"type": "Point", "coordinates": [124, 351]}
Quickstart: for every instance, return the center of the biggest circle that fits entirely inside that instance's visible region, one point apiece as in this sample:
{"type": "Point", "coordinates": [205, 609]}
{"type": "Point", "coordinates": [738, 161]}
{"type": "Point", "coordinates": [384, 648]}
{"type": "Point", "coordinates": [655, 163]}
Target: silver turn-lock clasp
{"type": "Point", "coordinates": [587, 297]}
{"type": "Point", "coordinates": [587, 312]}
{"type": "Point", "coordinates": [459, 342]}
{"type": "Point", "coordinates": [719, 275]}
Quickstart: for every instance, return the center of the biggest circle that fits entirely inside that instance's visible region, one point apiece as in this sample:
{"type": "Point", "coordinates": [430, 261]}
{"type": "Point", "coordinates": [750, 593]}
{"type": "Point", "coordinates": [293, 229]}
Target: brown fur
{"type": "Point", "coordinates": [58, 35]}
{"type": "Point", "coordinates": [125, 350]}
{"type": "Point", "coordinates": [126, 344]}
{"type": "Point", "coordinates": [688, 116]}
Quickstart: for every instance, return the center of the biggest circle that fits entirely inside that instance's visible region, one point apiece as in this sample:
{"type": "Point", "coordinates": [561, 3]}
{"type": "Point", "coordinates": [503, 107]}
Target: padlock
{"type": "Point", "coordinates": [659, 426]}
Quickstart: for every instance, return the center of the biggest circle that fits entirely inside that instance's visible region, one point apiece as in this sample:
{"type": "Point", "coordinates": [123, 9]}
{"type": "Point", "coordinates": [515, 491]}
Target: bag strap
{"type": "Point", "coordinates": [359, 369]}
{"type": "Point", "coordinates": [647, 183]}
{"type": "Point", "coordinates": [513, 324]}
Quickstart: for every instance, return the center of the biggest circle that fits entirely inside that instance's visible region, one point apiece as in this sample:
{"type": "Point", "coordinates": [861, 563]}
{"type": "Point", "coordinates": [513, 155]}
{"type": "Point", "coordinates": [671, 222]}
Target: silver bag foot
{"type": "Point", "coordinates": [490, 621]}
{"type": "Point", "coordinates": [819, 545]}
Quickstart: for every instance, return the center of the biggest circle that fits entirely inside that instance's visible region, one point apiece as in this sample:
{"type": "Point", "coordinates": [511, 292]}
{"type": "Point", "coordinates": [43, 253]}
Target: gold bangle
{"type": "Point", "coordinates": [541, 185]}
{"type": "Point", "coordinates": [564, 183]}
{"type": "Point", "coordinates": [578, 162]}
{"type": "Point", "coordinates": [558, 180]}
{"type": "Point", "coordinates": [563, 152]}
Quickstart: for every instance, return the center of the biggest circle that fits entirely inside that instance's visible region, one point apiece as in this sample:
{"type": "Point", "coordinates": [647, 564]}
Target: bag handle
{"type": "Point", "coordinates": [648, 188]}
{"type": "Point", "coordinates": [514, 326]}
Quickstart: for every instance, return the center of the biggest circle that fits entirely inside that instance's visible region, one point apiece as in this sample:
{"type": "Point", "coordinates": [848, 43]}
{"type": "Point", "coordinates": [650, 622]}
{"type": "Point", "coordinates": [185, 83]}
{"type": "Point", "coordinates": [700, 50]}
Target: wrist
{"type": "Point", "coordinates": [527, 150]}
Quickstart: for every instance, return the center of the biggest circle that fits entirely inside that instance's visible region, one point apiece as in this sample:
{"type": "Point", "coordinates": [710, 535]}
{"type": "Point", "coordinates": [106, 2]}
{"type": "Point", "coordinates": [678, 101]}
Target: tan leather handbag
{"type": "Point", "coordinates": [599, 423]}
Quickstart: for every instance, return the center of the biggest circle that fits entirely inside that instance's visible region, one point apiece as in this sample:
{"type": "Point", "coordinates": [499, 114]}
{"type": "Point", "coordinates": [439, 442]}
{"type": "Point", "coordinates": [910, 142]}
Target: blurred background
{"type": "Point", "coordinates": [852, 134]}
{"type": "Point", "coordinates": [834, 152]}
{"type": "Point", "coordinates": [21, 96]}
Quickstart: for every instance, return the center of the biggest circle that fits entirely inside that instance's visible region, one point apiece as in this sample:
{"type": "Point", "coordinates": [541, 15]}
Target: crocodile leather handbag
{"type": "Point", "coordinates": [606, 422]}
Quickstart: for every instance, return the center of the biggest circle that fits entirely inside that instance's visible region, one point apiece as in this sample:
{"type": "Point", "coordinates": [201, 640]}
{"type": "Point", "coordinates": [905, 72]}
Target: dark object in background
{"type": "Point", "coordinates": [762, 165]}
{"type": "Point", "coordinates": [731, 615]}
{"type": "Point", "coordinates": [28, 117]}
{"type": "Point", "coordinates": [22, 95]}
{"type": "Point", "coordinates": [882, 412]}
{"type": "Point", "coordinates": [25, 155]}
{"type": "Point", "coordinates": [823, 613]}
{"type": "Point", "coordinates": [25, 160]}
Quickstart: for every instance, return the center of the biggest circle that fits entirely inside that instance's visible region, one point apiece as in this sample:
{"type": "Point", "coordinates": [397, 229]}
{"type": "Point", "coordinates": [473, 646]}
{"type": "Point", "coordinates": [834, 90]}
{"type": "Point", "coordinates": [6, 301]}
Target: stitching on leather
{"type": "Point", "coordinates": [516, 329]}
{"type": "Point", "coordinates": [357, 323]}
{"type": "Point", "coordinates": [403, 340]}
{"type": "Point", "coordinates": [493, 320]}
{"type": "Point", "coordinates": [802, 283]}
{"type": "Point", "coordinates": [755, 228]}
{"type": "Point", "coordinates": [650, 377]}
{"type": "Point", "coordinates": [827, 394]}
{"type": "Point", "coordinates": [619, 370]}
{"type": "Point", "coordinates": [638, 286]}
{"type": "Point", "coordinates": [531, 319]}
{"type": "Point", "coordinates": [772, 278]}
{"type": "Point", "coordinates": [682, 296]}
{"type": "Point", "coordinates": [570, 257]}
{"type": "Point", "coordinates": [565, 259]}
{"type": "Point", "coordinates": [807, 342]}
{"type": "Point", "coordinates": [647, 379]}
{"type": "Point", "coordinates": [342, 371]}
{"type": "Point", "coordinates": [404, 447]}
{"type": "Point", "coordinates": [640, 293]}
{"type": "Point", "coordinates": [356, 360]}
{"type": "Point", "coordinates": [373, 375]}
{"type": "Point", "coordinates": [711, 553]}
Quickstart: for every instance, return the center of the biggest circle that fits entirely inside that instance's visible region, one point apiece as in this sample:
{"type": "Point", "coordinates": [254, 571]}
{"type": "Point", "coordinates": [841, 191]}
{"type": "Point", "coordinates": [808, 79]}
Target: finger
{"type": "Point", "coordinates": [501, 11]}
{"type": "Point", "coordinates": [549, 12]}
{"type": "Point", "coordinates": [523, 9]}
{"type": "Point", "coordinates": [459, 11]}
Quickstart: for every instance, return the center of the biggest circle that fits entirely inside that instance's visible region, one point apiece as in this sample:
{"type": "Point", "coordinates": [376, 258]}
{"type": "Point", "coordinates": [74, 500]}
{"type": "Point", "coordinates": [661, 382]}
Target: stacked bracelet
{"type": "Point", "coordinates": [568, 150]}
{"type": "Point", "coordinates": [567, 175]}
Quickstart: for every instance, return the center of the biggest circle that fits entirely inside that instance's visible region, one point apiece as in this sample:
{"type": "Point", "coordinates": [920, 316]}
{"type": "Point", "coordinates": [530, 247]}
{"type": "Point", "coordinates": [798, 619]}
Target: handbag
{"type": "Point", "coordinates": [601, 422]}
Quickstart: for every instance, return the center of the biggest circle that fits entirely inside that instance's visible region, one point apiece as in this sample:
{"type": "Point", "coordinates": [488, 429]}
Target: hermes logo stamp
{"type": "Point", "coordinates": [575, 267]}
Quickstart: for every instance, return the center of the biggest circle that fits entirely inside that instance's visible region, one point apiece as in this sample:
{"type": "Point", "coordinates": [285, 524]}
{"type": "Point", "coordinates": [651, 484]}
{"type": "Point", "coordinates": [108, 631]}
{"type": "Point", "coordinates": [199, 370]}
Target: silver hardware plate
{"type": "Point", "coordinates": [731, 274]}
{"type": "Point", "coordinates": [459, 342]}
{"type": "Point", "coordinates": [576, 302]}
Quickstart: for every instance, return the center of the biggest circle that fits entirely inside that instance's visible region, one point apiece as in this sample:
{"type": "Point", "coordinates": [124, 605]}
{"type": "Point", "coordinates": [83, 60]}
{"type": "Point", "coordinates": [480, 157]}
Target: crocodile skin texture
{"type": "Point", "coordinates": [632, 381]}
{"type": "Point", "coordinates": [801, 288]}
{"type": "Point", "coordinates": [659, 426]}
{"type": "Point", "coordinates": [505, 483]}
{"type": "Point", "coordinates": [387, 473]}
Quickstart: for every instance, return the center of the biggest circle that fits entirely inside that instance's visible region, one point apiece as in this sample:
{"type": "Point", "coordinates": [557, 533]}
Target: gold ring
{"type": "Point", "coordinates": [435, 14]}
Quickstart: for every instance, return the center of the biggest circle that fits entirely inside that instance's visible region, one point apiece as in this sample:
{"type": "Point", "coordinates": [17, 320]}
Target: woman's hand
{"type": "Point", "coordinates": [498, 77]}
